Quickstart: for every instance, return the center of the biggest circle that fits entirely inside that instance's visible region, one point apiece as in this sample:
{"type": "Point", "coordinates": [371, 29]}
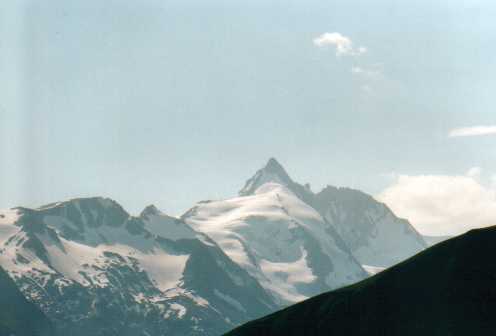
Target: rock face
{"type": "Point", "coordinates": [370, 229]}
{"type": "Point", "coordinates": [446, 290]}
{"type": "Point", "coordinates": [96, 270]}
{"type": "Point", "coordinates": [18, 316]}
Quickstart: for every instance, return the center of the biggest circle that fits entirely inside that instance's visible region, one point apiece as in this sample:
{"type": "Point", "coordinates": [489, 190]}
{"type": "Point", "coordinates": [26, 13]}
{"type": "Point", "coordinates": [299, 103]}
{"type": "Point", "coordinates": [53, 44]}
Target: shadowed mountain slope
{"type": "Point", "coordinates": [18, 316]}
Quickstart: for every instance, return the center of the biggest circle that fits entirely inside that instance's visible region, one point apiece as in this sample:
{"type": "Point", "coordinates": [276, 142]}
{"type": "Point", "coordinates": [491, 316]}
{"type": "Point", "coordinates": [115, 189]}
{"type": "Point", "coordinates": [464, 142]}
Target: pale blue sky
{"type": "Point", "coordinates": [172, 102]}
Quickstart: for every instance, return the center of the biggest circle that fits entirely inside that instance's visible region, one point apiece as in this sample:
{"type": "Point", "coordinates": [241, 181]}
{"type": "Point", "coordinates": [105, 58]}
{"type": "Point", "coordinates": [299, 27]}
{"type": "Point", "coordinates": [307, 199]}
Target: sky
{"type": "Point", "coordinates": [172, 102]}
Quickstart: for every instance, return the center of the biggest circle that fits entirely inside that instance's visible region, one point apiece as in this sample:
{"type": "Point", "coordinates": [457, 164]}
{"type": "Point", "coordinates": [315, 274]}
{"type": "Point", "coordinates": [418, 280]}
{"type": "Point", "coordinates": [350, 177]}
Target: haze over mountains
{"type": "Point", "coordinates": [92, 268]}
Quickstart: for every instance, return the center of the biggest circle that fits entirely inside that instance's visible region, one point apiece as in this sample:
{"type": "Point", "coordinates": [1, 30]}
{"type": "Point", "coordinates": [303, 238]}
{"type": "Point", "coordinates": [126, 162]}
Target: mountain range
{"type": "Point", "coordinates": [93, 268]}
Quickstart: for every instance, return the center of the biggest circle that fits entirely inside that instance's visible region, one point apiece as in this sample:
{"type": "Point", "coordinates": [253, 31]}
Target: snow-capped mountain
{"type": "Point", "coordinates": [95, 270]}
{"type": "Point", "coordinates": [273, 232]}
{"type": "Point", "coordinates": [372, 232]}
{"type": "Point", "coordinates": [298, 243]}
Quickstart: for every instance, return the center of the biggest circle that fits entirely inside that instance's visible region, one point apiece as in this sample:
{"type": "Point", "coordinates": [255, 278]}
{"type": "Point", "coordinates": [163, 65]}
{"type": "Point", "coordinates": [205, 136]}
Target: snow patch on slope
{"type": "Point", "coordinates": [165, 270]}
{"type": "Point", "coordinates": [7, 220]}
{"type": "Point", "coordinates": [373, 270]}
{"type": "Point", "coordinates": [9, 217]}
{"type": "Point", "coordinates": [85, 264]}
{"type": "Point", "coordinates": [177, 309]}
{"type": "Point", "coordinates": [285, 276]}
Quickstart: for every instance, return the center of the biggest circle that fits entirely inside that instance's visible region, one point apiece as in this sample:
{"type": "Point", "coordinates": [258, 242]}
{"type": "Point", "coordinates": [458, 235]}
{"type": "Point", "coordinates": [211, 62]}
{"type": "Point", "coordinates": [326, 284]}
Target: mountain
{"type": "Point", "coordinates": [95, 270]}
{"type": "Point", "coordinates": [445, 290]}
{"type": "Point", "coordinates": [298, 243]}
{"type": "Point", "coordinates": [371, 231]}
{"type": "Point", "coordinates": [280, 240]}
{"type": "Point", "coordinates": [18, 316]}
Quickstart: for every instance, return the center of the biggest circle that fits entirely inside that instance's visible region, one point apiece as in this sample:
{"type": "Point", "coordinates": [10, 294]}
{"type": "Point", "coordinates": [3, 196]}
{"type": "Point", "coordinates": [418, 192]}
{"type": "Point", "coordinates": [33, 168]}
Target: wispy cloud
{"type": "Point", "coordinates": [343, 44]}
{"type": "Point", "coordinates": [473, 131]}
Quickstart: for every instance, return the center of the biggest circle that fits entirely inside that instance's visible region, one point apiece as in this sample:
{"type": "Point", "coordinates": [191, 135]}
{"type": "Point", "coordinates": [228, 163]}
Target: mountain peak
{"type": "Point", "coordinates": [273, 164]}
{"type": "Point", "coordinates": [273, 171]}
{"type": "Point", "coordinates": [150, 210]}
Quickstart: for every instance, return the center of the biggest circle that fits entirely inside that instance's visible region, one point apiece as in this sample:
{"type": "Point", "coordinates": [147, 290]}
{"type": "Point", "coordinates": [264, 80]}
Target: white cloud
{"type": "Point", "coordinates": [442, 205]}
{"type": "Point", "coordinates": [474, 172]}
{"type": "Point", "coordinates": [343, 44]}
{"type": "Point", "coordinates": [473, 131]}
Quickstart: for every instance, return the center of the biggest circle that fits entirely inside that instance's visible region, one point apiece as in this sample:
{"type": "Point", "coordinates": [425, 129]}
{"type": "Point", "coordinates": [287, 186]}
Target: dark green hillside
{"type": "Point", "coordinates": [449, 289]}
{"type": "Point", "coordinates": [18, 316]}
